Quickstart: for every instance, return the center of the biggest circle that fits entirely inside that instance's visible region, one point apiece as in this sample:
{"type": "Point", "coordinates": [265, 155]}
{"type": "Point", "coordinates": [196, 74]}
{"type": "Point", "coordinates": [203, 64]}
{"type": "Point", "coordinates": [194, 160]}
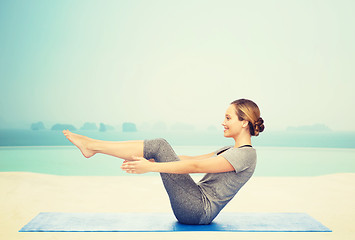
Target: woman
{"type": "Point", "coordinates": [228, 168]}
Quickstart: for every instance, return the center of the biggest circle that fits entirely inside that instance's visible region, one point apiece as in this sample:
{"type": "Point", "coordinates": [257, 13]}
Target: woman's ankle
{"type": "Point", "coordinates": [94, 145]}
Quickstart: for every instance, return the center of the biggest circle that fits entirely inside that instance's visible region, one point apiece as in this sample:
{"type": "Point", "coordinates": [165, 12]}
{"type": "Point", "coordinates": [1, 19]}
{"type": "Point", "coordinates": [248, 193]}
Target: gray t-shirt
{"type": "Point", "coordinates": [219, 188]}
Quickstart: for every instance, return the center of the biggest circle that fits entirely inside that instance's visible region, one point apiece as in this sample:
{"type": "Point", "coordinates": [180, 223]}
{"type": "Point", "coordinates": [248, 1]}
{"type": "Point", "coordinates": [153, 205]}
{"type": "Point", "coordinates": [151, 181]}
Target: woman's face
{"type": "Point", "coordinates": [232, 125]}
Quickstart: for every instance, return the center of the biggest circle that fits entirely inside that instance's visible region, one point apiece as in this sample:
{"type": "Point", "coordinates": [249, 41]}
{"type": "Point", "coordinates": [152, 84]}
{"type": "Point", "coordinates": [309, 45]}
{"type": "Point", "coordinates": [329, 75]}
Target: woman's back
{"type": "Point", "coordinates": [219, 188]}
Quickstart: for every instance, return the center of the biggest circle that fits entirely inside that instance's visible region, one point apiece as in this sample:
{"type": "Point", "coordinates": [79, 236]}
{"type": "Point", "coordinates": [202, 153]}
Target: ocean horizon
{"type": "Point", "coordinates": [327, 139]}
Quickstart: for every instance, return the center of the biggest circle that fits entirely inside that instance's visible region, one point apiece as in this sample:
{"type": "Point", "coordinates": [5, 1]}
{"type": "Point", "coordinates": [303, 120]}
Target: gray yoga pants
{"type": "Point", "coordinates": [184, 194]}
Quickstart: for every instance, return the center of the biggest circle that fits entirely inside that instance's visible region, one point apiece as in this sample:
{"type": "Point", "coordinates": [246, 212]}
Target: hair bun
{"type": "Point", "coordinates": [259, 126]}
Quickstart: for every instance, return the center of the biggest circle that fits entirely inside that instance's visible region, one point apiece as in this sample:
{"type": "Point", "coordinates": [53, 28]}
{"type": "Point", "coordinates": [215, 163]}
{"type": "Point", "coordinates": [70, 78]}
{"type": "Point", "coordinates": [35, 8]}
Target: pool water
{"type": "Point", "coordinates": [272, 161]}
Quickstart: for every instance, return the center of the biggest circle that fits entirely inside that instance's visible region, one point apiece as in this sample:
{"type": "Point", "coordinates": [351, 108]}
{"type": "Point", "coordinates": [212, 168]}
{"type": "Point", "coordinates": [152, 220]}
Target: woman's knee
{"type": "Point", "coordinates": [153, 146]}
{"type": "Point", "coordinates": [161, 144]}
{"type": "Point", "coordinates": [161, 141]}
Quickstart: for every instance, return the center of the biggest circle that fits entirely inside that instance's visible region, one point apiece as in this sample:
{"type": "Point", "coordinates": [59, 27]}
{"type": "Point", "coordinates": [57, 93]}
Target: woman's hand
{"type": "Point", "coordinates": [138, 166]}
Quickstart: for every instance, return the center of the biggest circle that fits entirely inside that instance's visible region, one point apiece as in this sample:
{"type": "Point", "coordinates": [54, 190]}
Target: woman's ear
{"type": "Point", "coordinates": [245, 123]}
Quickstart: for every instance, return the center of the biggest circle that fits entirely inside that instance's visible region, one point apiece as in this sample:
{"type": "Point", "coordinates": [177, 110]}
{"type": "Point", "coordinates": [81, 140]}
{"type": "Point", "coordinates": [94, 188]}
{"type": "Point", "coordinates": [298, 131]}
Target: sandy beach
{"type": "Point", "coordinates": [328, 198]}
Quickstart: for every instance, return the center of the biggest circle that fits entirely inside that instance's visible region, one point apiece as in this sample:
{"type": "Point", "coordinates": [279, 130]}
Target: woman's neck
{"type": "Point", "coordinates": [243, 139]}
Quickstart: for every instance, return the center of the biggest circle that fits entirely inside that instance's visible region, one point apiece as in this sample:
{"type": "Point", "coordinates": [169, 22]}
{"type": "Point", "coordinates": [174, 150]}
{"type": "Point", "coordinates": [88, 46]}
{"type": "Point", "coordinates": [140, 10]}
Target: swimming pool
{"type": "Point", "coordinates": [272, 161]}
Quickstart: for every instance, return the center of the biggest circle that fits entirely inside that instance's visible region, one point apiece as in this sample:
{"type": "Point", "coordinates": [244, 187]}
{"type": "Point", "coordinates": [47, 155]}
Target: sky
{"type": "Point", "coordinates": [176, 61]}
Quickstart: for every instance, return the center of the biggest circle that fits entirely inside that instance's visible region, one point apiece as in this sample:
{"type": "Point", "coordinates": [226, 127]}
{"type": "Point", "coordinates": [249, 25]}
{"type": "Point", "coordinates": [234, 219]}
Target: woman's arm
{"type": "Point", "coordinates": [184, 157]}
{"type": "Point", "coordinates": [207, 165]}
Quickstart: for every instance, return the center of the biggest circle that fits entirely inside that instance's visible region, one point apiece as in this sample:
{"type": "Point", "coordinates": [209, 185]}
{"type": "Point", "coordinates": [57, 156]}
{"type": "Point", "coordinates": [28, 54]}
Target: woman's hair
{"type": "Point", "coordinates": [249, 111]}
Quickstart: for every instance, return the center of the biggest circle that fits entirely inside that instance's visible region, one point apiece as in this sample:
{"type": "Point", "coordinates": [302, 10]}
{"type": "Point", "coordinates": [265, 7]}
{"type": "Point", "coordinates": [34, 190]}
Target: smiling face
{"type": "Point", "coordinates": [232, 125]}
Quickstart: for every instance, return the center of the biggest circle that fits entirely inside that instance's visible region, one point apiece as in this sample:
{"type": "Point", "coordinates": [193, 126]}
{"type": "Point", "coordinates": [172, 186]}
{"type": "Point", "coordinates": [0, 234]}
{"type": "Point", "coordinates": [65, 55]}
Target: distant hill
{"type": "Point", "coordinates": [89, 126]}
{"type": "Point", "coordinates": [105, 127]}
{"type": "Point", "coordinates": [60, 127]}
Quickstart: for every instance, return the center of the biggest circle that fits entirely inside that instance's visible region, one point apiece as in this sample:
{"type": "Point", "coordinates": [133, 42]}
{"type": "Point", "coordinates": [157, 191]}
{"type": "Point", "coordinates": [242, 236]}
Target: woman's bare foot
{"type": "Point", "coordinates": [82, 142]}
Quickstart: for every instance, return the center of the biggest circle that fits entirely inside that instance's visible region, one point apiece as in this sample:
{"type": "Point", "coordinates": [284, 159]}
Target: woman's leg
{"type": "Point", "coordinates": [90, 147]}
{"type": "Point", "coordinates": [184, 194]}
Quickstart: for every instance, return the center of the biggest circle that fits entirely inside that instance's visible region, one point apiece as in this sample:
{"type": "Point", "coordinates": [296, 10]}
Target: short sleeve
{"type": "Point", "coordinates": [221, 149]}
{"type": "Point", "coordinates": [240, 158]}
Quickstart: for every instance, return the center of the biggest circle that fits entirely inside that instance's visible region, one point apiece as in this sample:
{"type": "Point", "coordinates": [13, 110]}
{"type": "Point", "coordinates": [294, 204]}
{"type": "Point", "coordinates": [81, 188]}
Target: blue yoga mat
{"type": "Point", "coordinates": [166, 222]}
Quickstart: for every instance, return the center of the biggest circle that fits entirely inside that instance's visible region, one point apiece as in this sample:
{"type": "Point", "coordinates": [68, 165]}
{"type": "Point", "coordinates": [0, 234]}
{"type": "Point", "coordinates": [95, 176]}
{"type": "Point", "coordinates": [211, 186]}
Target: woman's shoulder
{"type": "Point", "coordinates": [246, 149]}
{"type": "Point", "coordinates": [232, 151]}
{"type": "Point", "coordinates": [222, 149]}
{"type": "Point", "coordinates": [241, 152]}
